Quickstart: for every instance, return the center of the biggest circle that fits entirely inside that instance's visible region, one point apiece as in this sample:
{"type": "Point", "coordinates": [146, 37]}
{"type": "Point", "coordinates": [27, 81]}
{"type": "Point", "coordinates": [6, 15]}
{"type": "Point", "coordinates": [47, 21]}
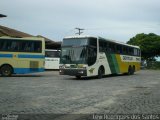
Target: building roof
{"type": "Point", "coordinates": [50, 44]}
{"type": "Point", "coordinates": [5, 31]}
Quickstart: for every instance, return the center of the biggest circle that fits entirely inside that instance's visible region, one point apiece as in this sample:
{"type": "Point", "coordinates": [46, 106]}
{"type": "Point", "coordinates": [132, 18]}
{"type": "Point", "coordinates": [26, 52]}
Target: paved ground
{"type": "Point", "coordinates": [47, 93]}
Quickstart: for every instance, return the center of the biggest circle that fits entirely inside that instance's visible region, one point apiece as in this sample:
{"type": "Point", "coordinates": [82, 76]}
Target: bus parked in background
{"type": "Point", "coordinates": [52, 58]}
{"type": "Point", "coordinates": [96, 56]}
{"type": "Point", "coordinates": [21, 55]}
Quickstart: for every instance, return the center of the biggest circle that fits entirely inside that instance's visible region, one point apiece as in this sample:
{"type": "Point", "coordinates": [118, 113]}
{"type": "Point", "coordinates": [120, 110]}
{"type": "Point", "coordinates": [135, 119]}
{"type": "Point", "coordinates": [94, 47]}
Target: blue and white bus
{"type": "Point", "coordinates": [21, 55]}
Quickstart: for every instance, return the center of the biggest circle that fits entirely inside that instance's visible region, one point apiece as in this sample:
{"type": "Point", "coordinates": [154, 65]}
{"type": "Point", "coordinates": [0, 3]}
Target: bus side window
{"type": "Point", "coordinates": [2, 44]}
{"type": "Point", "coordinates": [139, 52]}
{"type": "Point", "coordinates": [131, 51]}
{"type": "Point", "coordinates": [22, 49]}
{"type": "Point", "coordinates": [135, 52]}
{"type": "Point", "coordinates": [93, 42]}
{"type": "Point", "coordinates": [20, 46]}
{"type": "Point", "coordinates": [124, 50]}
{"type": "Point", "coordinates": [109, 48]}
{"type": "Point", "coordinates": [112, 48]}
{"type": "Point", "coordinates": [32, 47]}
{"type": "Point", "coordinates": [119, 49]}
{"type": "Point", "coordinates": [26, 47]}
{"type": "Point", "coordinates": [101, 46]}
{"type": "Point", "coordinates": [92, 53]}
{"type": "Point", "coordinates": [37, 46]}
{"type": "Point", "coordinates": [14, 46]}
{"type": "Point", "coordinates": [8, 46]}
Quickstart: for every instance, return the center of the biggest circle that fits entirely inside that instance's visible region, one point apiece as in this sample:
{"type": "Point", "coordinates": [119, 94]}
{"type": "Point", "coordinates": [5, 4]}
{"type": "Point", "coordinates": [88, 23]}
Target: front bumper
{"type": "Point", "coordinates": [73, 72]}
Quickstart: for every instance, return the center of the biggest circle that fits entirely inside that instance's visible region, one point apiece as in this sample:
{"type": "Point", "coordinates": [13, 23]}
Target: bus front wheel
{"type": "Point", "coordinates": [100, 72]}
{"type": "Point", "coordinates": [78, 77]}
{"type": "Point", "coordinates": [6, 70]}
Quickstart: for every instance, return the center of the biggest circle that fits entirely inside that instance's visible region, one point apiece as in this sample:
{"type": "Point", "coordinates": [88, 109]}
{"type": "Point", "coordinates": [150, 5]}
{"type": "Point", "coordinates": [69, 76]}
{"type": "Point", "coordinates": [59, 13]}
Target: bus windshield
{"type": "Point", "coordinates": [79, 51]}
{"type": "Point", "coordinates": [73, 55]}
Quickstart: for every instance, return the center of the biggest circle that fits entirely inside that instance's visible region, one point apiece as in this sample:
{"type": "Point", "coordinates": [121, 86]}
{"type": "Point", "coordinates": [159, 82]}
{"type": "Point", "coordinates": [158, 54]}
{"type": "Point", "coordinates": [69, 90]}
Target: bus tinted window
{"type": "Point", "coordinates": [93, 42]}
{"type": "Point", "coordinates": [125, 50]}
{"type": "Point", "coordinates": [53, 54]}
{"type": "Point", "coordinates": [92, 55]}
{"type": "Point", "coordinates": [136, 52]}
{"type": "Point", "coordinates": [103, 46]}
{"type": "Point", "coordinates": [20, 46]}
{"type": "Point", "coordinates": [115, 48]}
{"type": "Point", "coordinates": [119, 49]}
{"type": "Point", "coordinates": [112, 48]}
{"type": "Point", "coordinates": [130, 51]}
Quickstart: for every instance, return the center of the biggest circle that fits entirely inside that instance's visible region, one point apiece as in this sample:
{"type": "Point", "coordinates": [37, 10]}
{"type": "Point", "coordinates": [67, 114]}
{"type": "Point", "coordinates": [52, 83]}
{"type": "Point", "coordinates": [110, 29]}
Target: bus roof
{"type": "Point", "coordinates": [89, 36]}
{"type": "Point", "coordinates": [79, 36]}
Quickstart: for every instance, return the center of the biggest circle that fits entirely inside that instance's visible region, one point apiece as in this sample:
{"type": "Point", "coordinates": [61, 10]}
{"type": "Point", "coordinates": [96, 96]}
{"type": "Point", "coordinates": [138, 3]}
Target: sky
{"type": "Point", "coordinates": [55, 19]}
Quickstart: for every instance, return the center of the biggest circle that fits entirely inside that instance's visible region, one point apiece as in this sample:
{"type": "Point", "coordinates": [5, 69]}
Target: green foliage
{"type": "Point", "coordinates": [153, 65]}
{"type": "Point", "coordinates": [149, 44]}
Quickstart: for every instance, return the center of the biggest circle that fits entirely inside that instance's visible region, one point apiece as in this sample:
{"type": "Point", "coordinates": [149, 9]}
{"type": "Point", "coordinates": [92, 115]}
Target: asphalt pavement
{"type": "Point", "coordinates": [50, 94]}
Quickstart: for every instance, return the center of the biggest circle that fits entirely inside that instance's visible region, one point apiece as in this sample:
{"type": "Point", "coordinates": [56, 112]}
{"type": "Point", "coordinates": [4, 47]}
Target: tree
{"type": "Point", "coordinates": [149, 44]}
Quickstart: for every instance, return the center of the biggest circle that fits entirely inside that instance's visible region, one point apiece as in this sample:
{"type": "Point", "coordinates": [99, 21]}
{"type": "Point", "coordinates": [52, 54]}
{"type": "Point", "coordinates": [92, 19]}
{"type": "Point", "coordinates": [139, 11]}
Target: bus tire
{"type": "Point", "coordinates": [6, 70]}
{"type": "Point", "coordinates": [129, 70]}
{"type": "Point", "coordinates": [100, 72]}
{"type": "Point", "coordinates": [78, 77]}
{"type": "Point", "coordinates": [133, 70]}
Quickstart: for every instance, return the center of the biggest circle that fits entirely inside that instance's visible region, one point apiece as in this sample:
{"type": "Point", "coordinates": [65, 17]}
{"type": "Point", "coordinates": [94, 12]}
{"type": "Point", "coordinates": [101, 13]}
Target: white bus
{"type": "Point", "coordinates": [52, 58]}
{"type": "Point", "coordinates": [96, 56]}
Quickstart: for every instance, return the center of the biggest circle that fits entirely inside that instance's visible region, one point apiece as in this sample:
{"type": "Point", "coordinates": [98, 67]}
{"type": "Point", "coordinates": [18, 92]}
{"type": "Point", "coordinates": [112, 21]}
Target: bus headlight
{"type": "Point", "coordinates": [81, 72]}
{"type": "Point", "coordinates": [82, 66]}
